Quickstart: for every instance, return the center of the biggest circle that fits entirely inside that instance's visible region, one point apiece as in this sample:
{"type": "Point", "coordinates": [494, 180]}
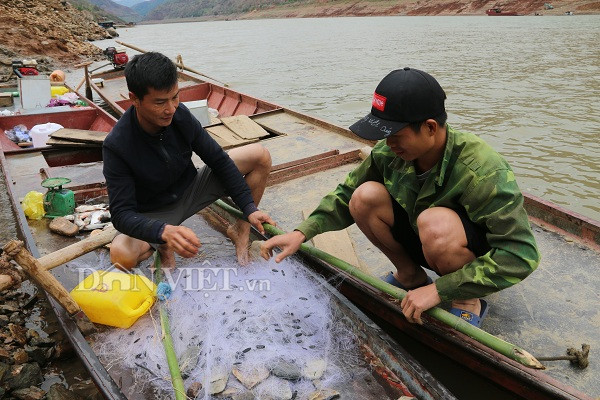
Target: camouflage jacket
{"type": "Point", "coordinates": [470, 175]}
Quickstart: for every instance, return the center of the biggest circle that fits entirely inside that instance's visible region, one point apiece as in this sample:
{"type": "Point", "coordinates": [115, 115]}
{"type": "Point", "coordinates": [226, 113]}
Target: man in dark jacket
{"type": "Point", "coordinates": [153, 185]}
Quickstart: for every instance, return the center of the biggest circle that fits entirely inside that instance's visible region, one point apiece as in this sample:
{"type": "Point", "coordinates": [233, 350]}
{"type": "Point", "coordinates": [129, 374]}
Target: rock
{"type": "Point", "coordinates": [24, 375]}
{"type": "Point", "coordinates": [20, 356]}
{"type": "Point", "coordinates": [59, 392]}
{"type": "Point", "coordinates": [8, 309]}
{"type": "Point", "coordinates": [275, 389]}
{"type": "Point", "coordinates": [31, 333]}
{"type": "Point", "coordinates": [4, 368]}
{"type": "Point", "coordinates": [287, 370]}
{"type": "Point", "coordinates": [63, 226]}
{"type": "Point", "coordinates": [243, 395]}
{"type": "Point", "coordinates": [41, 342]}
{"type": "Point", "coordinates": [324, 394]}
{"type": "Point", "coordinates": [30, 393]}
{"type": "Point", "coordinates": [189, 360]}
{"type": "Point", "coordinates": [112, 32]}
{"type": "Point", "coordinates": [63, 350]}
{"type": "Point", "coordinates": [314, 369]}
{"type": "Point", "coordinates": [18, 333]}
{"type": "Point", "coordinates": [4, 354]}
{"type": "Point", "coordinates": [37, 354]}
{"type": "Point", "coordinates": [251, 377]}
{"type": "Point", "coordinates": [194, 390]}
{"type": "Point", "coordinates": [3, 320]}
{"type": "Point", "coordinates": [218, 381]}
{"type": "Point", "coordinates": [86, 389]}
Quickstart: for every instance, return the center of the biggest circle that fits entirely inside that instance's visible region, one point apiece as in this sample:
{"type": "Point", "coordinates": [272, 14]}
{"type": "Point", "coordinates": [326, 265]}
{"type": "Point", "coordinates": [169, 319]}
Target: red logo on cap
{"type": "Point", "coordinates": [379, 101]}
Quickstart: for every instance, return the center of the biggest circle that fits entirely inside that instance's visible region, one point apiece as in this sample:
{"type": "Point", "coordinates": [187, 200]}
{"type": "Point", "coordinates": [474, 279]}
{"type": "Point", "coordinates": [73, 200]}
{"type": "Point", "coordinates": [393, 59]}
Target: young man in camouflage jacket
{"type": "Point", "coordinates": [429, 196]}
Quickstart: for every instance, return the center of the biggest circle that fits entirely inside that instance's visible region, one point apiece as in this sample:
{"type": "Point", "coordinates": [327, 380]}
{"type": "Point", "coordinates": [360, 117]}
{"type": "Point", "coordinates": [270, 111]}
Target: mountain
{"type": "Point", "coordinates": [129, 3]}
{"type": "Point", "coordinates": [250, 9]}
{"type": "Point", "coordinates": [122, 12]}
{"type": "Point", "coordinates": [145, 7]}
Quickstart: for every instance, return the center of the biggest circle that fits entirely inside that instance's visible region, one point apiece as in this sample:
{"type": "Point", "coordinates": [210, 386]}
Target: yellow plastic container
{"type": "Point", "coordinates": [114, 298]}
{"type": "Point", "coordinates": [58, 90]}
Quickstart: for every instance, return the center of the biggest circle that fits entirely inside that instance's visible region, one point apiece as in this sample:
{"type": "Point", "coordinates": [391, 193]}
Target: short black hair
{"type": "Point", "coordinates": [440, 119]}
{"type": "Point", "coordinates": [150, 70]}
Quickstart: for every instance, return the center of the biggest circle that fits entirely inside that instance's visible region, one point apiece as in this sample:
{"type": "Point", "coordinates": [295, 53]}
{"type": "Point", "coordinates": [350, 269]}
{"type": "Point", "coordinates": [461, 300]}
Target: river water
{"type": "Point", "coordinates": [528, 85]}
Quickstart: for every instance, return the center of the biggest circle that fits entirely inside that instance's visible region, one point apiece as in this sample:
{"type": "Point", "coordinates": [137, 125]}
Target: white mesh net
{"type": "Point", "coordinates": [266, 330]}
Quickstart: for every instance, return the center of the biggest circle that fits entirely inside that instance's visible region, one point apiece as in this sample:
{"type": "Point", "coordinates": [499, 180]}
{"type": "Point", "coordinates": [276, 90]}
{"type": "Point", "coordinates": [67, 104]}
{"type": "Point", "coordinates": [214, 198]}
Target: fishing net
{"type": "Point", "coordinates": [265, 331]}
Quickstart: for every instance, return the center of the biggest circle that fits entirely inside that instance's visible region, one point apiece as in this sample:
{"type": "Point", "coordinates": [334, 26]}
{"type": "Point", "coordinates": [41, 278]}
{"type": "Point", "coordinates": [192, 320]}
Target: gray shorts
{"type": "Point", "coordinates": [203, 191]}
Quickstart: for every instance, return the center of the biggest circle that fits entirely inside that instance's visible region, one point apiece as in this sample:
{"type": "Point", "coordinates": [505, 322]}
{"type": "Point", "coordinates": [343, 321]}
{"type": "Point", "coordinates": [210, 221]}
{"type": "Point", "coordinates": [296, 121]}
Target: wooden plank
{"type": "Point", "coordinates": [244, 127]}
{"type": "Point", "coordinates": [69, 143]}
{"type": "Point", "coordinates": [80, 135]}
{"type": "Point", "coordinates": [227, 135]}
{"type": "Point", "coordinates": [336, 243]}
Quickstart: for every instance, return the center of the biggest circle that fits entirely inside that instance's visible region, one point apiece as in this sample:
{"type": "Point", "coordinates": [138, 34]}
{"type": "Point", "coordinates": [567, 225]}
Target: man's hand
{"type": "Point", "coordinates": [181, 240]}
{"type": "Point", "coordinates": [419, 300]}
{"type": "Point", "coordinates": [257, 218]}
{"type": "Point", "coordinates": [289, 243]}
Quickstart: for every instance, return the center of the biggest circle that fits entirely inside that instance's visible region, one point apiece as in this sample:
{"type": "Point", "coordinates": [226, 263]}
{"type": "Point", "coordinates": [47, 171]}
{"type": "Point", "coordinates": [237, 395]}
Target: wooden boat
{"type": "Point", "coordinates": [395, 372]}
{"type": "Point", "coordinates": [310, 157]}
{"type": "Point", "coordinates": [113, 90]}
{"type": "Point", "coordinates": [89, 118]}
{"type": "Point", "coordinates": [499, 12]}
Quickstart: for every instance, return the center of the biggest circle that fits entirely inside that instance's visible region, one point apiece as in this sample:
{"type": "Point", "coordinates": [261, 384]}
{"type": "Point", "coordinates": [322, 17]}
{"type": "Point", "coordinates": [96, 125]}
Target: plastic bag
{"type": "Point", "coordinates": [33, 205]}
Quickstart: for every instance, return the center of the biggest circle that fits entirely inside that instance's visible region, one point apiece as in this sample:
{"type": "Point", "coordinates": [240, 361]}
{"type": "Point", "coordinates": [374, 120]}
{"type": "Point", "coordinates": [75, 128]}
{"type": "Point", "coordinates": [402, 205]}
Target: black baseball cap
{"type": "Point", "coordinates": [403, 97]}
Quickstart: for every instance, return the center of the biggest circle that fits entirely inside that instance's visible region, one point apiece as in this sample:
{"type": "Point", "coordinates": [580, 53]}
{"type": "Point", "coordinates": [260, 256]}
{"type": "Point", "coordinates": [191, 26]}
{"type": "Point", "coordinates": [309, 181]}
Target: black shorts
{"type": "Point", "coordinates": [404, 234]}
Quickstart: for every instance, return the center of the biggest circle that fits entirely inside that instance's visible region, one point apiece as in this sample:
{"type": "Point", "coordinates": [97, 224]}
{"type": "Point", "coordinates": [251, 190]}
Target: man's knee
{"type": "Point", "coordinates": [123, 258]}
{"type": "Point", "coordinates": [441, 232]}
{"type": "Point", "coordinates": [367, 198]}
{"type": "Point", "coordinates": [251, 157]}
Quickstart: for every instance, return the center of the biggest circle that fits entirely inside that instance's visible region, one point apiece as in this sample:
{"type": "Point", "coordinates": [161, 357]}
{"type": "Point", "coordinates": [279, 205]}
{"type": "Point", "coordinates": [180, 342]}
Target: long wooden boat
{"type": "Point", "coordinates": [87, 118]}
{"type": "Point", "coordinates": [395, 372]}
{"type": "Point", "coordinates": [551, 310]}
{"type": "Point", "coordinates": [113, 90]}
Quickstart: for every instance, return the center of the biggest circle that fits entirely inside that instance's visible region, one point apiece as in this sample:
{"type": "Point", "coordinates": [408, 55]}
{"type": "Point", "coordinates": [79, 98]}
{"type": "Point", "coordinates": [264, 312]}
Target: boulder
{"type": "Point", "coordinates": [63, 226]}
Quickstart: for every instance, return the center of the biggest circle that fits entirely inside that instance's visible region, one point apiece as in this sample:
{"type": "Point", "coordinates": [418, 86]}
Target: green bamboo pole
{"type": "Point", "coordinates": [509, 350]}
{"type": "Point", "coordinates": [167, 340]}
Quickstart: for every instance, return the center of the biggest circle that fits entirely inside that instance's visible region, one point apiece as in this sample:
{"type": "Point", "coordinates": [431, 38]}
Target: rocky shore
{"type": "Point", "coordinates": [51, 31]}
{"type": "Point", "coordinates": [34, 351]}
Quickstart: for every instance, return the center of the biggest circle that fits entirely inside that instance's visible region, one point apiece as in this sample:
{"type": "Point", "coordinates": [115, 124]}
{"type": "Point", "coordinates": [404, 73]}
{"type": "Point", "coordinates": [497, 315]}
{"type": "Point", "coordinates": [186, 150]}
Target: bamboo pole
{"type": "Point", "coordinates": [177, 63]}
{"type": "Point", "coordinates": [509, 350]}
{"type": "Point", "coordinates": [167, 340]}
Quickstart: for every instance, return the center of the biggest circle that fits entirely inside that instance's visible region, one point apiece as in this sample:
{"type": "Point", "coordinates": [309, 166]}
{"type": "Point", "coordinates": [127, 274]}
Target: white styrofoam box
{"type": "Point", "coordinates": [34, 91]}
{"type": "Point", "coordinates": [199, 109]}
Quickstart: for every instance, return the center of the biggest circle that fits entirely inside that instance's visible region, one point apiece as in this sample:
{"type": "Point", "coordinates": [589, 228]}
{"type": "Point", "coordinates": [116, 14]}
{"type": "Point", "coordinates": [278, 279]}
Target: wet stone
{"type": "Point", "coordinates": [30, 393]}
{"type": "Point", "coordinates": [4, 370]}
{"type": "Point", "coordinates": [42, 342]}
{"type": "Point", "coordinates": [218, 381]}
{"type": "Point", "coordinates": [287, 370]}
{"type": "Point", "coordinates": [86, 389]}
{"type": "Point", "coordinates": [20, 356]}
{"type": "Point", "coordinates": [3, 320]}
{"type": "Point", "coordinates": [24, 375]}
{"type": "Point", "coordinates": [243, 395]}
{"type": "Point", "coordinates": [314, 369]}
{"type": "Point", "coordinates": [7, 309]}
{"type": "Point", "coordinates": [18, 333]}
{"type": "Point", "coordinates": [194, 390]}
{"type": "Point", "coordinates": [251, 377]}
{"type": "Point", "coordinates": [324, 394]}
{"type": "Point", "coordinates": [189, 360]}
{"type": "Point", "coordinates": [59, 392]}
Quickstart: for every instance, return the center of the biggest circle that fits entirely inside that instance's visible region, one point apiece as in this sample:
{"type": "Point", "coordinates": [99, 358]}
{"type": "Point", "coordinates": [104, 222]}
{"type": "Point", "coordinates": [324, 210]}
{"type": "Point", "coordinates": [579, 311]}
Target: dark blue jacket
{"type": "Point", "coordinates": [145, 172]}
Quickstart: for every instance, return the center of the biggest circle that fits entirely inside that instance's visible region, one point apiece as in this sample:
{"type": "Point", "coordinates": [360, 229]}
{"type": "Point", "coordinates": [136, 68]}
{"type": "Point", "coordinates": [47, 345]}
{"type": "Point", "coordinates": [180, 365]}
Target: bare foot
{"type": "Point", "coordinates": [239, 235]}
{"type": "Point", "coordinates": [167, 257]}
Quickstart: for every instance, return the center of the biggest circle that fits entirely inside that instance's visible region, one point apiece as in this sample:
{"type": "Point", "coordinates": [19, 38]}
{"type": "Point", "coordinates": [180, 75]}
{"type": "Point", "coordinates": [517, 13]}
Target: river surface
{"type": "Point", "coordinates": [528, 85]}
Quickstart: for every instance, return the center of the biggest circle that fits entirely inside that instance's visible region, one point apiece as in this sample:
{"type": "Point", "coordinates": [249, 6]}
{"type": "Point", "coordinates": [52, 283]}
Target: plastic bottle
{"type": "Point", "coordinates": [40, 133]}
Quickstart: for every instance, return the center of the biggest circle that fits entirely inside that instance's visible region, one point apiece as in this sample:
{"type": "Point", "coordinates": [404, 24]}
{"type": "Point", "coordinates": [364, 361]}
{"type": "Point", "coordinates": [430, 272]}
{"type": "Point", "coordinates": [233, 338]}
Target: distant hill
{"type": "Point", "coordinates": [122, 12]}
{"type": "Point", "coordinates": [145, 7]}
{"type": "Point", "coordinates": [159, 10]}
{"type": "Point", "coordinates": [129, 3]}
